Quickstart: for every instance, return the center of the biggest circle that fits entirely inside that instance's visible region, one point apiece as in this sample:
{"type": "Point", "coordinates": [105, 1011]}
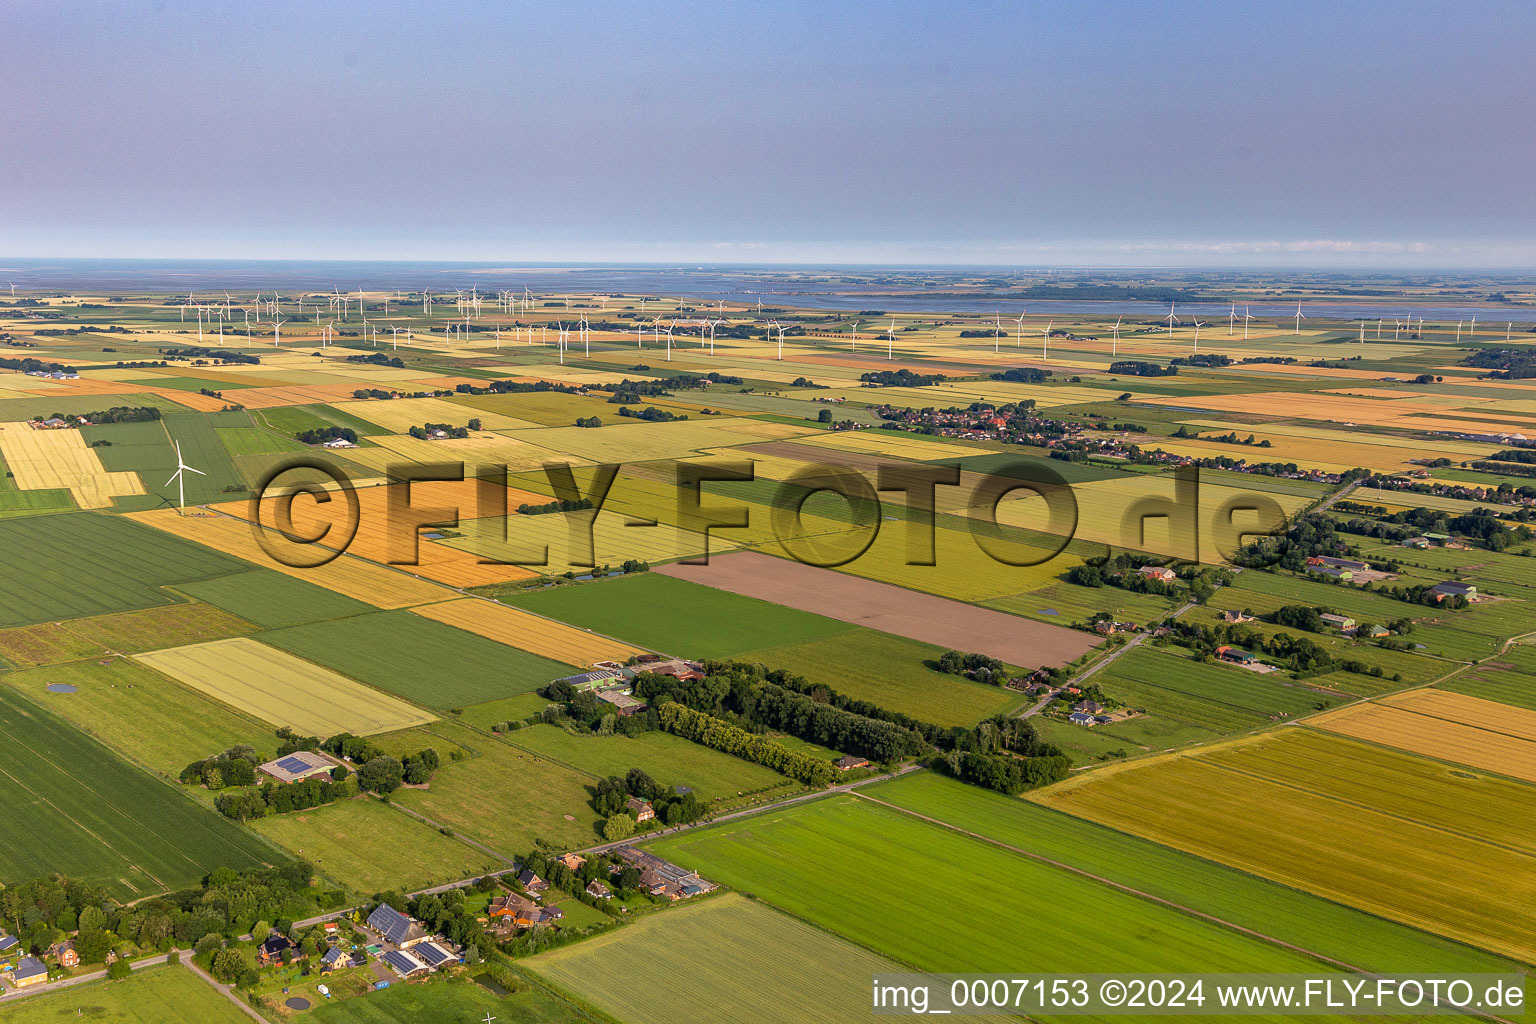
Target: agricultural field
{"type": "Point", "coordinates": [277, 687]}
{"type": "Point", "coordinates": [1375, 856]}
{"type": "Point", "coordinates": [1447, 726]}
{"type": "Point", "coordinates": [893, 672]}
{"type": "Point", "coordinates": [379, 586]}
{"type": "Point", "coordinates": [88, 564]}
{"type": "Point", "coordinates": [852, 866]}
{"type": "Point", "coordinates": [442, 1000]}
{"type": "Point", "coordinates": [717, 778]}
{"type": "Point", "coordinates": [1509, 679]}
{"type": "Point", "coordinates": [272, 600]}
{"type": "Point", "coordinates": [148, 449]}
{"type": "Point", "coordinates": [141, 714]}
{"type": "Point", "coordinates": [78, 809]}
{"type": "Point", "coordinates": [177, 624]}
{"type": "Point", "coordinates": [1286, 914]}
{"type": "Point", "coordinates": [406, 655]}
{"type": "Point", "coordinates": [152, 995]}
{"type": "Point", "coordinates": [945, 623]}
{"type": "Point", "coordinates": [45, 644]}
{"type": "Point", "coordinates": [344, 840]}
{"type": "Point", "coordinates": [504, 796]}
{"type": "Point", "coordinates": [526, 631]}
{"type": "Point", "coordinates": [60, 460]}
{"type": "Point", "coordinates": [676, 617]}
{"type": "Point", "coordinates": [762, 965]}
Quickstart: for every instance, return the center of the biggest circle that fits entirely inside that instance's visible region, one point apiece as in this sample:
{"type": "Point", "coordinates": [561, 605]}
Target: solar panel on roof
{"type": "Point", "coordinates": [293, 765]}
{"type": "Point", "coordinates": [432, 954]}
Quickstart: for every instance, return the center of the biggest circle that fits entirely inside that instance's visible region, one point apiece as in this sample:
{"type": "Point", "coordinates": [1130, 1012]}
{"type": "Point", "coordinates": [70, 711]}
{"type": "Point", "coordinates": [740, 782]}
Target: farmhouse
{"type": "Point", "coordinates": [677, 669]}
{"type": "Point", "coordinates": [531, 882]}
{"type": "Point", "coordinates": [1157, 572]}
{"type": "Point", "coordinates": [1090, 707]}
{"type": "Point", "coordinates": [573, 861]}
{"type": "Point", "coordinates": [334, 958]}
{"type": "Point", "coordinates": [65, 953]}
{"type": "Point", "coordinates": [1235, 655]}
{"type": "Point", "coordinates": [396, 927]}
{"type": "Point", "coordinates": [1450, 588]}
{"type": "Point", "coordinates": [299, 765]}
{"type": "Point", "coordinates": [641, 809]}
{"type": "Point", "coordinates": [598, 891]}
{"type": "Point", "coordinates": [1082, 718]}
{"type": "Point", "coordinates": [7, 943]}
{"type": "Point", "coordinates": [434, 954]}
{"type": "Point", "coordinates": [1232, 615]}
{"type": "Point", "coordinates": [848, 762]}
{"type": "Point", "coordinates": [272, 950]}
{"type": "Point", "coordinates": [339, 442]}
{"type": "Point", "coordinates": [30, 971]}
{"type": "Point", "coordinates": [621, 699]}
{"type": "Point", "coordinates": [1337, 621]}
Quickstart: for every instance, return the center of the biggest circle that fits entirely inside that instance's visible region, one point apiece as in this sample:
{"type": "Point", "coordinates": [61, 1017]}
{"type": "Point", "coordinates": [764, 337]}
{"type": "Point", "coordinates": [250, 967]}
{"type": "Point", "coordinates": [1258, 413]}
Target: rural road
{"type": "Point", "coordinates": [1078, 679]}
{"type": "Point", "coordinates": [11, 995]}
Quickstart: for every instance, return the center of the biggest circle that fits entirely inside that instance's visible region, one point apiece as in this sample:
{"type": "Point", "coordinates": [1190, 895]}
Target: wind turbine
{"type": "Point", "coordinates": [180, 480]}
{"type": "Point", "coordinates": [669, 339]}
{"type": "Point", "coordinates": [1045, 340]}
{"type": "Point", "coordinates": [855, 333]}
{"type": "Point", "coordinates": [1115, 346]}
{"type": "Point", "coordinates": [1300, 316]}
{"type": "Point", "coordinates": [997, 331]}
{"type": "Point", "coordinates": [1018, 340]}
{"type": "Point", "coordinates": [1247, 316]}
{"type": "Point", "coordinates": [1198, 324]}
{"type": "Point", "coordinates": [1458, 331]}
{"type": "Point", "coordinates": [276, 331]}
{"type": "Point", "coordinates": [1232, 320]}
{"type": "Point", "coordinates": [1362, 332]}
{"type": "Point", "coordinates": [1171, 318]}
{"type": "Point", "coordinates": [1472, 328]}
{"type": "Point", "coordinates": [890, 348]}
{"type": "Point", "coordinates": [1381, 319]}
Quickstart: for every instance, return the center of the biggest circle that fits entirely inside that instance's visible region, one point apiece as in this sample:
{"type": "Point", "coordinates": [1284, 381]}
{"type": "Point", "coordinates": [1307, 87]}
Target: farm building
{"type": "Point", "coordinates": [598, 891]}
{"type": "Point", "coordinates": [1337, 621]}
{"type": "Point", "coordinates": [848, 762]}
{"type": "Point", "coordinates": [66, 954]}
{"type": "Point", "coordinates": [1417, 542]}
{"type": "Point", "coordinates": [334, 959]}
{"type": "Point", "coordinates": [677, 669]}
{"type": "Point", "coordinates": [641, 809]}
{"type": "Point", "coordinates": [1082, 718]}
{"type": "Point", "coordinates": [1235, 655]}
{"type": "Point", "coordinates": [1373, 631]}
{"type": "Point", "coordinates": [434, 954]}
{"type": "Point", "coordinates": [30, 971]}
{"type": "Point", "coordinates": [7, 943]}
{"type": "Point", "coordinates": [573, 861]}
{"type": "Point", "coordinates": [1450, 588]}
{"type": "Point", "coordinates": [1339, 563]}
{"type": "Point", "coordinates": [272, 950]}
{"type": "Point", "coordinates": [1091, 707]}
{"type": "Point", "coordinates": [339, 442]}
{"type": "Point", "coordinates": [395, 926]}
{"type": "Point", "coordinates": [621, 699]}
{"type": "Point", "coordinates": [299, 765]}
{"type": "Point", "coordinates": [404, 964]}
{"type": "Point", "coordinates": [1157, 572]}
{"type": "Point", "coordinates": [591, 680]}
{"type": "Point", "coordinates": [531, 882]}
{"type": "Point", "coordinates": [1232, 615]}
{"type": "Point", "coordinates": [663, 878]}
{"type": "Point", "coordinates": [1333, 571]}
{"type": "Point", "coordinates": [511, 909]}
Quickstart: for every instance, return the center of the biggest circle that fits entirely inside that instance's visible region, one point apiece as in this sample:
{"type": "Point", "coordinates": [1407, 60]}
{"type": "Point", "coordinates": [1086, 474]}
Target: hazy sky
{"type": "Point", "coordinates": [1327, 133]}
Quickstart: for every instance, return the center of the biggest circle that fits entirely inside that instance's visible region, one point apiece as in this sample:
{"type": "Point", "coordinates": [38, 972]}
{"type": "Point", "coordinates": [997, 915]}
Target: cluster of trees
{"type": "Point", "coordinates": [1227, 438]}
{"type": "Point", "coordinates": [233, 767]}
{"type": "Point", "coordinates": [562, 505]}
{"type": "Point", "coordinates": [974, 666]}
{"type": "Point", "coordinates": [382, 395]}
{"type": "Point", "coordinates": [1507, 468]}
{"type": "Point", "coordinates": [723, 736]}
{"type": "Point", "coordinates": [1202, 359]}
{"type": "Point", "coordinates": [1140, 368]}
{"type": "Point", "coordinates": [428, 430]}
{"type": "Point", "coordinates": [1023, 375]}
{"type": "Point", "coordinates": [120, 414]}
{"type": "Point", "coordinates": [613, 793]}
{"type": "Point", "coordinates": [218, 355]}
{"type": "Point", "coordinates": [588, 421]}
{"type": "Point", "coordinates": [251, 802]}
{"type": "Point", "coordinates": [902, 378]}
{"type": "Point", "coordinates": [1505, 363]}
{"type": "Point", "coordinates": [1007, 755]}
{"type": "Point", "coordinates": [378, 359]}
{"type": "Point", "coordinates": [377, 771]}
{"type": "Point", "coordinates": [1302, 655]}
{"type": "Point", "coordinates": [320, 435]}
{"type": "Point", "coordinates": [651, 414]}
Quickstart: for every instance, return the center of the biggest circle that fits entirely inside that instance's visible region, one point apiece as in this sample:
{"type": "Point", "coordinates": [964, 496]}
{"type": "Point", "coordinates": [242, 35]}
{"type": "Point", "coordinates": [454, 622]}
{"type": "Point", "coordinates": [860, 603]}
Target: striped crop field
{"type": "Point", "coordinates": [526, 631]}
{"type": "Point", "coordinates": [1448, 726]}
{"type": "Point", "coordinates": [280, 688]}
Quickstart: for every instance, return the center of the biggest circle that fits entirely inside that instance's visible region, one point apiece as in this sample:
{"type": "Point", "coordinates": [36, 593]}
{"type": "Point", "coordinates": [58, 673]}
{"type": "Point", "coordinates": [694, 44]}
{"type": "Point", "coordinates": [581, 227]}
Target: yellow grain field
{"type": "Point", "coordinates": [399, 415]}
{"type": "Point", "coordinates": [480, 448]}
{"type": "Point", "coordinates": [1448, 726]}
{"type": "Point", "coordinates": [616, 537]}
{"type": "Point", "coordinates": [375, 584]}
{"type": "Point", "coordinates": [896, 444]}
{"type": "Point", "coordinates": [43, 459]}
{"type": "Point", "coordinates": [528, 632]}
{"type": "Point", "coordinates": [640, 442]}
{"type": "Point", "coordinates": [279, 688]}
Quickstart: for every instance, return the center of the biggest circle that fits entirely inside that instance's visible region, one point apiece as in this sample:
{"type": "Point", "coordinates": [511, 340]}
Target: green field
{"type": "Point", "coordinates": [677, 617]}
{"type": "Point", "coordinates": [255, 441]}
{"type": "Point", "coordinates": [890, 671]}
{"type": "Point", "coordinates": [288, 420]}
{"type": "Point", "coordinates": [721, 959]}
{"type": "Point", "coordinates": [87, 564]}
{"type": "Point", "coordinates": [866, 872]}
{"type": "Point", "coordinates": [1509, 678]}
{"type": "Point", "coordinates": [419, 659]}
{"type": "Point", "coordinates": [166, 626]}
{"type": "Point", "coordinates": [672, 761]}
{"type": "Point", "coordinates": [77, 808]}
{"type": "Point", "coordinates": [148, 449]}
{"type": "Point", "coordinates": [505, 797]}
{"type": "Point", "coordinates": [442, 1000]}
{"type": "Point", "coordinates": [273, 600]}
{"type": "Point", "coordinates": [505, 709]}
{"type": "Point", "coordinates": [141, 714]}
{"type": "Point", "coordinates": [1073, 603]}
{"type": "Point", "coordinates": [366, 847]}
{"type": "Point", "coordinates": [1283, 913]}
{"type": "Point", "coordinates": [153, 995]}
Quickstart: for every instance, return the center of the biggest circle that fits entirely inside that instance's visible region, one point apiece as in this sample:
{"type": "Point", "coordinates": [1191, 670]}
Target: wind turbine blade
{"type": "Point", "coordinates": [173, 478]}
{"type": "Point", "coordinates": [189, 469]}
